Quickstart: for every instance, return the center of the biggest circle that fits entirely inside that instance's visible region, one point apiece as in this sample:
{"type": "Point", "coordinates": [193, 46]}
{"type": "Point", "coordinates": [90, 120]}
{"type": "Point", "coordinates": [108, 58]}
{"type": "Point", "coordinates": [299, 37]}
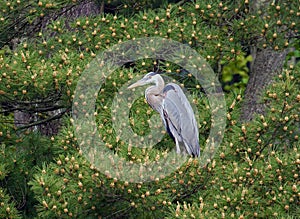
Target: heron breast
{"type": "Point", "coordinates": [155, 101]}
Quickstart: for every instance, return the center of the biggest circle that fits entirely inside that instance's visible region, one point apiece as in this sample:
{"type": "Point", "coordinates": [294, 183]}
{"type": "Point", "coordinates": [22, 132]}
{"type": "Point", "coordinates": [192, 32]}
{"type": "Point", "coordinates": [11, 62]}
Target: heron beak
{"type": "Point", "coordinates": [138, 84]}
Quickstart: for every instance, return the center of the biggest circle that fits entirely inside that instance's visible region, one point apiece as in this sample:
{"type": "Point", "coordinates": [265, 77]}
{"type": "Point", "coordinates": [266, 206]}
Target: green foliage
{"type": "Point", "coordinates": [71, 187]}
{"type": "Point", "coordinates": [254, 174]}
{"type": "Point", "coordinates": [7, 209]}
{"type": "Point", "coordinates": [19, 156]}
{"type": "Point", "coordinates": [17, 18]}
{"type": "Point", "coordinates": [129, 7]}
{"type": "Point", "coordinates": [51, 65]}
{"type": "Point", "coordinates": [293, 55]}
{"type": "Point", "coordinates": [235, 74]}
{"type": "Point", "coordinates": [67, 188]}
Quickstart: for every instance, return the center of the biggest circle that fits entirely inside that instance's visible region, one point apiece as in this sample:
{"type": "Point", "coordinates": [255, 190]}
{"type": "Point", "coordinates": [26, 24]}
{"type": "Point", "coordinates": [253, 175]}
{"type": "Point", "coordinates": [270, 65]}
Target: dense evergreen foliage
{"type": "Point", "coordinates": [254, 174]}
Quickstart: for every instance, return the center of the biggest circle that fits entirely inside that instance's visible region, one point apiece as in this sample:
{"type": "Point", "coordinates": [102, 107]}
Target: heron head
{"type": "Point", "coordinates": [149, 78]}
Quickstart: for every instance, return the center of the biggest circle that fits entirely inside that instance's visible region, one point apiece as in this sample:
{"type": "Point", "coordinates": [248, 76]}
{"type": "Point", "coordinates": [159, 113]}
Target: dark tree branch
{"type": "Point", "coordinates": [31, 109]}
{"type": "Point", "coordinates": [47, 120]}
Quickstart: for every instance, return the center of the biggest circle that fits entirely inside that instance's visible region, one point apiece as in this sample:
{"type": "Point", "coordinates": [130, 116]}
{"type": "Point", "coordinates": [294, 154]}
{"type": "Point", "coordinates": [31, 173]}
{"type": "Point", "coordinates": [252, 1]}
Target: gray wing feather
{"type": "Point", "coordinates": [180, 114]}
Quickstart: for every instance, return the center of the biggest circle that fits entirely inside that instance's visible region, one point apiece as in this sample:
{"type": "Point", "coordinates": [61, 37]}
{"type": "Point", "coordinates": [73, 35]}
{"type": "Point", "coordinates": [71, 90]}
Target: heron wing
{"type": "Point", "coordinates": [180, 118]}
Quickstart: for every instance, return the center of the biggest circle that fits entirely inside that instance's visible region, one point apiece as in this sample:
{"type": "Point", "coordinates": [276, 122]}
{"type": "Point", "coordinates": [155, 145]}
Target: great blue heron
{"type": "Point", "coordinates": [175, 111]}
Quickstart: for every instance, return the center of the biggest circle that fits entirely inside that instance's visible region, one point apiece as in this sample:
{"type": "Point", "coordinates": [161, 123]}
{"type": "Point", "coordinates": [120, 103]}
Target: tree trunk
{"type": "Point", "coordinates": [267, 63]}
